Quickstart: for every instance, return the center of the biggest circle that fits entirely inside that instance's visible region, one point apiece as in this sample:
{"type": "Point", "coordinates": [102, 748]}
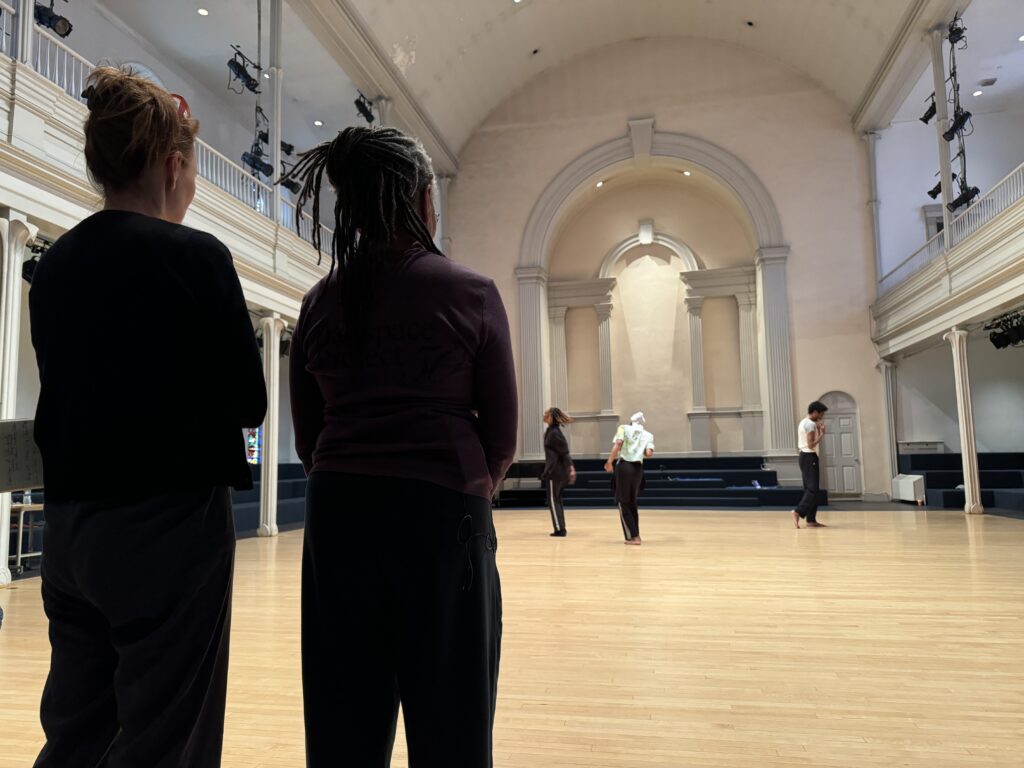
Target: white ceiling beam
{"type": "Point", "coordinates": [347, 37]}
{"type": "Point", "coordinates": [904, 62]}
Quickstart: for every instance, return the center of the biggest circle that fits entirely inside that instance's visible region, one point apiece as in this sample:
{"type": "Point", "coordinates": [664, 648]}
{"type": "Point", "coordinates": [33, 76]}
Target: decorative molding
{"type": "Point", "coordinates": [604, 339]}
{"type": "Point", "coordinates": [712, 283]}
{"type": "Point", "coordinates": [580, 293]}
{"type": "Point", "coordinates": [641, 134]}
{"type": "Point", "coordinates": [678, 247]}
{"type": "Point", "coordinates": [734, 174]}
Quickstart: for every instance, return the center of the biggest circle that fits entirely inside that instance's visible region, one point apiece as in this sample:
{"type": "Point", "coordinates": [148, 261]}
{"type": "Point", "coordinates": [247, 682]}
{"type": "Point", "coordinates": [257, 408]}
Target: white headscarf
{"type": "Point", "coordinates": [637, 418]}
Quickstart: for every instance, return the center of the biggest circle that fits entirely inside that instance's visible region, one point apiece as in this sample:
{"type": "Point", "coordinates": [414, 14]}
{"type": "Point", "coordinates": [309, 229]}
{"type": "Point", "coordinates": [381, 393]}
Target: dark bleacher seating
{"type": "Point", "coordinates": [1001, 476]}
{"type": "Point", "coordinates": [672, 483]}
{"type": "Point", "coordinates": [291, 500]}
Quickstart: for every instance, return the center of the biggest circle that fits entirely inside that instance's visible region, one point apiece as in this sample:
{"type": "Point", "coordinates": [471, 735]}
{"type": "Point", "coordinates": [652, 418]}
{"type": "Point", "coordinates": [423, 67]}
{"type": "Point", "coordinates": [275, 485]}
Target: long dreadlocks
{"type": "Point", "coordinates": [378, 176]}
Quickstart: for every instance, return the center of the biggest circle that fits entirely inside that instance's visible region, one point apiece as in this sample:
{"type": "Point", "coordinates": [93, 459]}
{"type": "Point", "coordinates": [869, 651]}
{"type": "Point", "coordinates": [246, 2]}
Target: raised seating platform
{"type": "Point", "coordinates": [732, 481]}
{"type": "Point", "coordinates": [1001, 476]}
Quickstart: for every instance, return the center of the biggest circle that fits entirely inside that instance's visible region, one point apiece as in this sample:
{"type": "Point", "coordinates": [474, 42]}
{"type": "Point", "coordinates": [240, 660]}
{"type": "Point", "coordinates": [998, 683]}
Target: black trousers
{"type": "Point", "coordinates": [138, 595]}
{"type": "Point", "coordinates": [629, 478]}
{"type": "Point", "coordinates": [808, 506]}
{"type": "Point", "coordinates": [410, 612]}
{"type": "Point", "coordinates": [556, 487]}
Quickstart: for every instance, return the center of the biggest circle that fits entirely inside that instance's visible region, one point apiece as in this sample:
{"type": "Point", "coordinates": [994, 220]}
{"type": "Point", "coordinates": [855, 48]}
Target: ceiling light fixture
{"type": "Point", "coordinates": [365, 108]}
{"type": "Point", "coordinates": [1020, 39]}
{"type": "Point", "coordinates": [47, 17]}
{"type": "Point", "coordinates": [978, 93]}
{"type": "Point", "coordinates": [687, 173]}
{"type": "Point", "coordinates": [202, 12]}
{"type": "Point", "coordinates": [318, 123]}
{"type": "Point", "coordinates": [600, 184]}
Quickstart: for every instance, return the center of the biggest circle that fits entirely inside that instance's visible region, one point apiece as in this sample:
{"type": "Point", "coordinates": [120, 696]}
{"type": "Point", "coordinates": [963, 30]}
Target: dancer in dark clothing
{"type": "Point", "coordinates": [810, 433]}
{"type": "Point", "coordinates": [558, 468]}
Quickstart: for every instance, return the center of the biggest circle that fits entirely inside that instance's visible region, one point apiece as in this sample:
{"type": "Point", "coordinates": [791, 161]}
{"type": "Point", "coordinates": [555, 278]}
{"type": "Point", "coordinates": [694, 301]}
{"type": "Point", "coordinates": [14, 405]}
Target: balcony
{"type": "Point", "coordinates": [42, 155]}
{"type": "Point", "coordinates": [979, 275]}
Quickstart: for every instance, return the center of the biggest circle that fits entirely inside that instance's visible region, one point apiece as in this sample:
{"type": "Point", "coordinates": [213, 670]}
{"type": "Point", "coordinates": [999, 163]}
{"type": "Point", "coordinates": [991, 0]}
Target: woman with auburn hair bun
{"type": "Point", "coordinates": [149, 370]}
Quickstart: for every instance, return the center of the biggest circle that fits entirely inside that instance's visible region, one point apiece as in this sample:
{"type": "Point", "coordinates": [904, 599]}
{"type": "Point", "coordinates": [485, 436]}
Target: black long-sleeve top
{"type": "Point", "coordinates": [433, 395]}
{"type": "Point", "coordinates": [558, 462]}
{"type": "Point", "coordinates": [148, 364]}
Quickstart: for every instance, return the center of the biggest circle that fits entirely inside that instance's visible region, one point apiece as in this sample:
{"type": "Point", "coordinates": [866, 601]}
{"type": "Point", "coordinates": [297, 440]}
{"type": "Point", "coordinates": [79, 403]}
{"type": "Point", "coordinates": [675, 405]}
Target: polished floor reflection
{"type": "Point", "coordinates": [728, 639]}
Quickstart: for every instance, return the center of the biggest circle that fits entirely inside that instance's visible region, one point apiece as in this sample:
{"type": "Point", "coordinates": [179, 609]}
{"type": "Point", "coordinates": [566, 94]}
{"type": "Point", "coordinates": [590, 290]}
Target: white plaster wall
{"type": "Point", "coordinates": [650, 345]}
{"type": "Point", "coordinates": [286, 453]}
{"type": "Point", "coordinates": [793, 135]}
{"type": "Point", "coordinates": [908, 164]}
{"type": "Point", "coordinates": [926, 407]}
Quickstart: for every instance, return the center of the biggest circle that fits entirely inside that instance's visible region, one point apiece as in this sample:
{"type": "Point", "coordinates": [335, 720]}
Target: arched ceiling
{"type": "Point", "coordinates": [462, 58]}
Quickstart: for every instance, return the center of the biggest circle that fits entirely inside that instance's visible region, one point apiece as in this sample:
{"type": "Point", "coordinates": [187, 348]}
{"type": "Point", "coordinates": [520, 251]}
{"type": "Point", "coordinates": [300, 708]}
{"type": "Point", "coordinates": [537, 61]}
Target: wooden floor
{"type": "Point", "coordinates": [729, 639]}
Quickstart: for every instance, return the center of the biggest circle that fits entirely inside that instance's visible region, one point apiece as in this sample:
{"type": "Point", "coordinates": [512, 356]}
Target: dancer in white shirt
{"type": "Point", "coordinates": [809, 437]}
{"type": "Point", "coordinates": [632, 444]}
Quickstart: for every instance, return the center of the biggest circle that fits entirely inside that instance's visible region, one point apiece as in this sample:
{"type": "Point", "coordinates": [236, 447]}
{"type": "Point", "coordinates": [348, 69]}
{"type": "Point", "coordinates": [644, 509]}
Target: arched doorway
{"type": "Point", "coordinates": [840, 452]}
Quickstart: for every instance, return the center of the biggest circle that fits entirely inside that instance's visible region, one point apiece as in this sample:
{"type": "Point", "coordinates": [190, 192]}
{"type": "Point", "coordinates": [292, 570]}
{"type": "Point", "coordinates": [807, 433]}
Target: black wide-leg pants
{"type": "Point", "coordinates": [556, 487]}
{"type": "Point", "coordinates": [138, 596]}
{"type": "Point", "coordinates": [401, 603]}
{"type": "Point", "coordinates": [629, 478]}
{"type": "Point", "coordinates": [811, 473]}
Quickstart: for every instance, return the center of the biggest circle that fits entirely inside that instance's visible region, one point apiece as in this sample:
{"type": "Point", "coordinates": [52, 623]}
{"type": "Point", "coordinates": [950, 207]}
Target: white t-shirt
{"type": "Point", "coordinates": [803, 435]}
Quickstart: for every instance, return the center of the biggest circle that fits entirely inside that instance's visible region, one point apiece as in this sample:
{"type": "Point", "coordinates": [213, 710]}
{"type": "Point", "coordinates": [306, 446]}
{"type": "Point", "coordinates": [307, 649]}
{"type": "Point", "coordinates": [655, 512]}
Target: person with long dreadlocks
{"type": "Point", "coordinates": [405, 410]}
{"type": "Point", "coordinates": [559, 471]}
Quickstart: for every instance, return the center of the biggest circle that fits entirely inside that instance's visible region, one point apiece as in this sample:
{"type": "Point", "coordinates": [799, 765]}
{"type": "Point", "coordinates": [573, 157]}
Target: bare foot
{"type": "Point", "coordinates": [796, 519]}
{"type": "Point", "coordinates": [635, 541]}
{"type": "Point", "coordinates": [816, 525]}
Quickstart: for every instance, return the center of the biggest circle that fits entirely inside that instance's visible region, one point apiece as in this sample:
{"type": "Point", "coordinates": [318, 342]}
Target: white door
{"type": "Point", "coordinates": [840, 450]}
{"type": "Point", "coordinates": [841, 454]}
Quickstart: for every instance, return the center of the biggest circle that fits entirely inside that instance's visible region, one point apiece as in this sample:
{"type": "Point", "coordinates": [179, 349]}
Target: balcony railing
{"type": "Point", "coordinates": [233, 179]}
{"type": "Point", "coordinates": [986, 208]}
{"type": "Point", "coordinates": [59, 64]}
{"type": "Point", "coordinates": [1002, 196]}
{"type": "Point", "coordinates": [305, 227]}
{"type": "Point", "coordinates": [7, 29]}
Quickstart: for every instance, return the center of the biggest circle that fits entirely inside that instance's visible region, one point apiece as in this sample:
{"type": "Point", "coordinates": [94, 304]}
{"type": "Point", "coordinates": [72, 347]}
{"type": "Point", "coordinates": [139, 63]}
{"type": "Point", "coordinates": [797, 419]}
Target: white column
{"type": "Point", "coordinates": [533, 302]}
{"type": "Point", "coordinates": [941, 126]}
{"type": "Point", "coordinates": [277, 80]}
{"type": "Point", "coordinates": [443, 235]}
{"type": "Point", "coordinates": [604, 339]}
{"type": "Point", "coordinates": [889, 381]}
{"type": "Point", "coordinates": [753, 423]}
{"type": "Point", "coordinates": [16, 233]}
{"type": "Point", "coordinates": [26, 24]}
{"type": "Point", "coordinates": [559, 358]}
{"type": "Point", "coordinates": [383, 105]}
{"type": "Point", "coordinates": [871, 139]}
{"type": "Point", "coordinates": [780, 437]}
{"type": "Point", "coordinates": [694, 305]}
{"type": "Point", "coordinates": [957, 339]}
{"type": "Point", "coordinates": [700, 424]}
{"type": "Point", "coordinates": [272, 327]}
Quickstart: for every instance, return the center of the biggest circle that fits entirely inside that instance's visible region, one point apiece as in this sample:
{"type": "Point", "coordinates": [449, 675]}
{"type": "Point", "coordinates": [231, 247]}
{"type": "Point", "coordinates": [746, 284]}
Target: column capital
{"type": "Point", "coordinates": [557, 313]}
{"type": "Point", "coordinates": [694, 304]}
{"type": "Point", "coordinates": [746, 299]}
{"type": "Point", "coordinates": [532, 275]}
{"type": "Point", "coordinates": [956, 336]}
{"type": "Point", "coordinates": [604, 310]}
{"type": "Point", "coordinates": [771, 255]}
{"type": "Point", "coordinates": [885, 364]}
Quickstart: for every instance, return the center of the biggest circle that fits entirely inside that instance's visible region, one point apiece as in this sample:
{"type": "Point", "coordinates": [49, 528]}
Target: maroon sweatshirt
{"type": "Point", "coordinates": [432, 396]}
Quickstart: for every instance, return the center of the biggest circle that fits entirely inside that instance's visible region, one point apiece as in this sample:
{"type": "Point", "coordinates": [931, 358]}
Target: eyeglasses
{"type": "Point", "coordinates": [184, 113]}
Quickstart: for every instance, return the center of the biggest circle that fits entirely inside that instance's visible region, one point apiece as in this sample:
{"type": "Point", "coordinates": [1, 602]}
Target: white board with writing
{"type": "Point", "coordinates": [21, 465]}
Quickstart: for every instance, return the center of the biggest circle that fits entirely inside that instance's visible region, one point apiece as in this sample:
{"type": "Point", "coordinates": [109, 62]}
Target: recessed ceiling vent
{"type": "Point", "coordinates": [986, 82]}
